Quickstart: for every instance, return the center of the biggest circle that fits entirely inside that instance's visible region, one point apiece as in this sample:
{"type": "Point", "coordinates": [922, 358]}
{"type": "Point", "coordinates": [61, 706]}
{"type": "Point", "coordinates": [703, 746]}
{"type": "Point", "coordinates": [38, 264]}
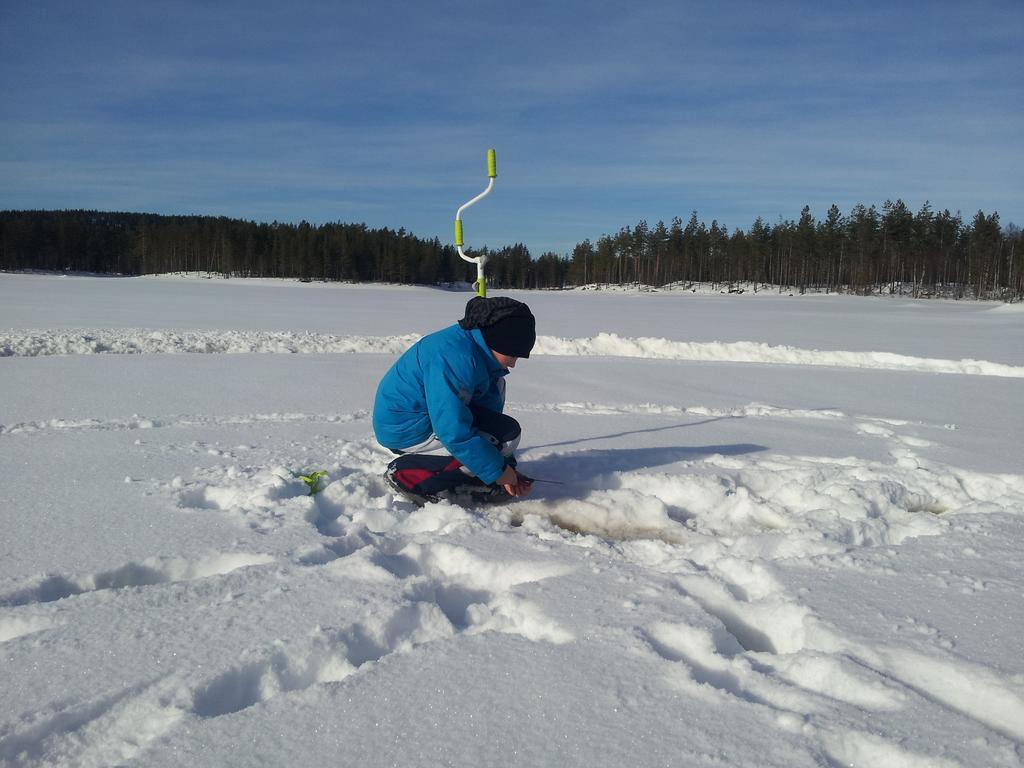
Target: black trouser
{"type": "Point", "coordinates": [428, 470]}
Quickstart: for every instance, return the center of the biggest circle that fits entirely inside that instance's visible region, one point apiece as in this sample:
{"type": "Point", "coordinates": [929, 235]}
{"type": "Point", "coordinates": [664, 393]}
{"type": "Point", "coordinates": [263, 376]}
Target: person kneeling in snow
{"type": "Point", "coordinates": [439, 407]}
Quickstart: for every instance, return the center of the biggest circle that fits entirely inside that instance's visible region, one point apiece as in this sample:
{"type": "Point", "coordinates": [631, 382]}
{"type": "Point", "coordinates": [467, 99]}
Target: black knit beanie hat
{"type": "Point", "coordinates": [507, 325]}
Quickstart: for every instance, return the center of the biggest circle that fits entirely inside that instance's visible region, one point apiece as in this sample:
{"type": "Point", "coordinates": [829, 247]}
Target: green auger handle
{"type": "Point", "coordinates": [492, 164]}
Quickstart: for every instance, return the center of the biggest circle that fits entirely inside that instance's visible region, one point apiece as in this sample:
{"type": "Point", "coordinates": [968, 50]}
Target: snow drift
{"type": "Point", "coordinates": [137, 341]}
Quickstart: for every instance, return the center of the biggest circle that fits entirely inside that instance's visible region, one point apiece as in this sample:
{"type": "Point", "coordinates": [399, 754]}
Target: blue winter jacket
{"type": "Point", "coordinates": [428, 391]}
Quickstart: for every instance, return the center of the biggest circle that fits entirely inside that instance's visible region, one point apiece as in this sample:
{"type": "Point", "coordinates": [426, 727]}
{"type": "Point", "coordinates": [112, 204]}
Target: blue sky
{"type": "Point", "coordinates": [601, 113]}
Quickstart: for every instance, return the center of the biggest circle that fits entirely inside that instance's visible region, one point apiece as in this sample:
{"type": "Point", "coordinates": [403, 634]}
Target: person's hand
{"type": "Point", "coordinates": [514, 483]}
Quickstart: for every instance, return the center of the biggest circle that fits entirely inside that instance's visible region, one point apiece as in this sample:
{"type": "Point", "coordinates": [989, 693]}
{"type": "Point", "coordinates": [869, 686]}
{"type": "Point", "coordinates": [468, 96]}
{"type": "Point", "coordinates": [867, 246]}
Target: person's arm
{"type": "Point", "coordinates": [448, 390]}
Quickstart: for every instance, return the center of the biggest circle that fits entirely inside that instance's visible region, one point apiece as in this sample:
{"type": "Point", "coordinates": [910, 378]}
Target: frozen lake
{"type": "Point", "coordinates": [787, 535]}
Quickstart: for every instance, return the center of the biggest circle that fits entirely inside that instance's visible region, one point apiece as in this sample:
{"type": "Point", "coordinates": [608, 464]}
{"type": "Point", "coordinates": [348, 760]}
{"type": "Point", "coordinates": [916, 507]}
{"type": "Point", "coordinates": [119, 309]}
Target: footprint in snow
{"type": "Point", "coordinates": [146, 573]}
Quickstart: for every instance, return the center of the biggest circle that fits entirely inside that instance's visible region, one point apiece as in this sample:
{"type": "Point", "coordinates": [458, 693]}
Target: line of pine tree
{"type": "Point", "coordinates": [867, 251]}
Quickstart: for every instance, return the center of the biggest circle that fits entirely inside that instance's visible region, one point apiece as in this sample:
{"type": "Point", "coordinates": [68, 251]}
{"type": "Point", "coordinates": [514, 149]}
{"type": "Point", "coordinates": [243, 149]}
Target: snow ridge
{"type": "Point", "coordinates": [139, 341]}
{"type": "Point", "coordinates": [612, 345]}
{"type": "Point", "coordinates": [194, 420]}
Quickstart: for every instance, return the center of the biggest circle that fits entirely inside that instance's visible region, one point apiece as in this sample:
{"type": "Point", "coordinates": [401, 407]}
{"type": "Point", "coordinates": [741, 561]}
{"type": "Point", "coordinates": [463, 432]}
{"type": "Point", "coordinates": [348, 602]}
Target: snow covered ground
{"type": "Point", "coordinates": [788, 535]}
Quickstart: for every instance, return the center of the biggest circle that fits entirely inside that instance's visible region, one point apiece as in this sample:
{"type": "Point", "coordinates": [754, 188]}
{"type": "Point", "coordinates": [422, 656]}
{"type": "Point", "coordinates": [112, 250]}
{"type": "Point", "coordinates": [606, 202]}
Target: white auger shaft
{"type": "Point", "coordinates": [492, 173]}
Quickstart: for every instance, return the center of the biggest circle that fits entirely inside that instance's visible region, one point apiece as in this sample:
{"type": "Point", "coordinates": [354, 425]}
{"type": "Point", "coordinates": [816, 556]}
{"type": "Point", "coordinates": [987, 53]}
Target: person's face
{"type": "Point", "coordinates": [505, 361]}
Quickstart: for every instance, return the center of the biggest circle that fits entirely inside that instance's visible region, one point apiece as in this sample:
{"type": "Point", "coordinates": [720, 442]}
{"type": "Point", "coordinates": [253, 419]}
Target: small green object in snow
{"type": "Point", "coordinates": [313, 481]}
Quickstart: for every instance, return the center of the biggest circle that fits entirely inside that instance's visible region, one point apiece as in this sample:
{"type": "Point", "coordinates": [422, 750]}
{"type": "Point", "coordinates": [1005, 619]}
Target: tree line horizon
{"type": "Point", "coordinates": [868, 251]}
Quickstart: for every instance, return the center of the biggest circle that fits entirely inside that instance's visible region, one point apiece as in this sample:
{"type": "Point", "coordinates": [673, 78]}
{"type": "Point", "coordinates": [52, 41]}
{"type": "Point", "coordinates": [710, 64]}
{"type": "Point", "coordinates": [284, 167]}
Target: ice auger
{"type": "Point", "coordinates": [492, 173]}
